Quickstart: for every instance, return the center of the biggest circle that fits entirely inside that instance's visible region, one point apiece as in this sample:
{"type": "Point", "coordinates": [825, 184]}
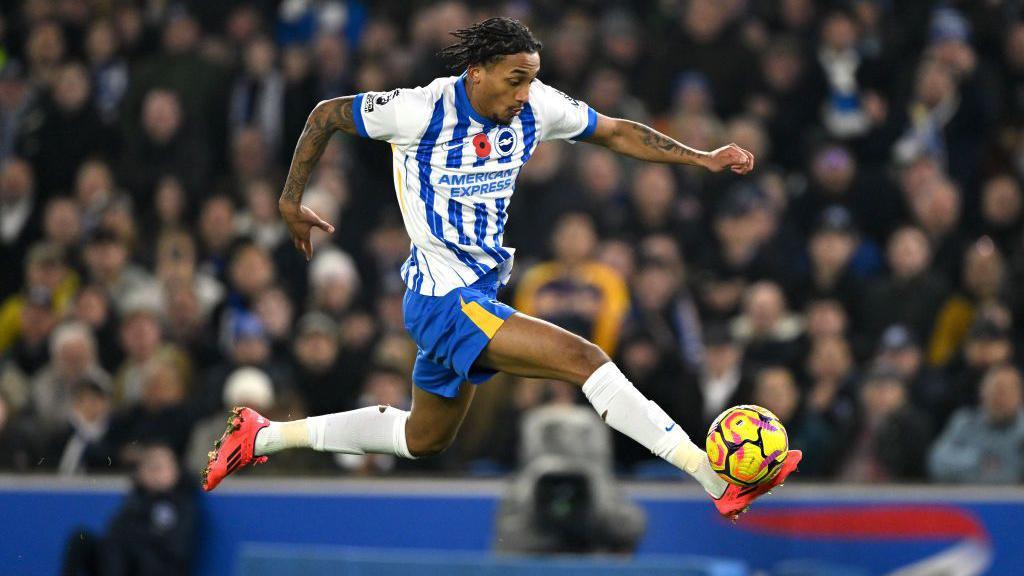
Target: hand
{"type": "Point", "coordinates": [733, 157]}
{"type": "Point", "coordinates": [300, 221]}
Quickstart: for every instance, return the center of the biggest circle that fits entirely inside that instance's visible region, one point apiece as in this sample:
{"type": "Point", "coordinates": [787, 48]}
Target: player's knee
{"type": "Point", "coordinates": [585, 358]}
{"type": "Point", "coordinates": [424, 446]}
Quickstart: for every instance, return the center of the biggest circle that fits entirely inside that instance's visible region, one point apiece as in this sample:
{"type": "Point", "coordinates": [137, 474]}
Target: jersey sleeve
{"type": "Point", "coordinates": [396, 116]}
{"type": "Point", "coordinates": [562, 116]}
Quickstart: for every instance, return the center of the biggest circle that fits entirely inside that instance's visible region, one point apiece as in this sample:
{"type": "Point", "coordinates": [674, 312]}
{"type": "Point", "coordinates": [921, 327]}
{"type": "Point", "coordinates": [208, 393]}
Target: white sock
{"type": "Point", "coordinates": [625, 409]}
{"type": "Point", "coordinates": [371, 430]}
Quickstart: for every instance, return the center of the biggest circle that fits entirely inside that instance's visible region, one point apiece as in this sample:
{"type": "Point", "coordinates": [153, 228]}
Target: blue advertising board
{"type": "Point", "coordinates": [801, 530]}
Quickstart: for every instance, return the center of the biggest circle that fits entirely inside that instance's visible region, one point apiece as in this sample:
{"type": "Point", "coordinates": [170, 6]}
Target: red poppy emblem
{"type": "Point", "coordinates": [481, 145]}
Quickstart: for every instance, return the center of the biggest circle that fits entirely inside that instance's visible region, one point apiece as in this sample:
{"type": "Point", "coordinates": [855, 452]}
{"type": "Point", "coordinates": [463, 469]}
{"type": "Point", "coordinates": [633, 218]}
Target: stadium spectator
{"type": "Point", "coordinates": [776, 389]}
{"type": "Point", "coordinates": [768, 331]}
{"type": "Point", "coordinates": [68, 131]}
{"type": "Point", "coordinates": [154, 531]}
{"type": "Point", "coordinates": [20, 211]}
{"type": "Point", "coordinates": [80, 444]}
{"type": "Point", "coordinates": [833, 245]}
{"type": "Point", "coordinates": [988, 343]}
{"type": "Point", "coordinates": [73, 360]}
{"type": "Point", "coordinates": [983, 444]}
{"type": "Point", "coordinates": [982, 285]}
{"type": "Point", "coordinates": [900, 350]}
{"type": "Point", "coordinates": [891, 439]}
{"type": "Point", "coordinates": [48, 283]}
{"type": "Point", "coordinates": [723, 381]}
{"type": "Point", "coordinates": [324, 381]}
{"type": "Point", "coordinates": [663, 305]}
{"type": "Point", "coordinates": [911, 294]}
{"type": "Point", "coordinates": [574, 291]}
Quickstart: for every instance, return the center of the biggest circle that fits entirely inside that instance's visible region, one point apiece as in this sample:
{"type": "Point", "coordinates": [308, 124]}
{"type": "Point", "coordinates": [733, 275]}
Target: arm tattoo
{"type": "Point", "coordinates": [328, 117]}
{"type": "Point", "coordinates": [654, 140]}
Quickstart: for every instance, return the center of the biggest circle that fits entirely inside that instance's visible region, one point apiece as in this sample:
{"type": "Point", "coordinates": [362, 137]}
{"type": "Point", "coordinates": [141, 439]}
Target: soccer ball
{"type": "Point", "coordinates": [747, 445]}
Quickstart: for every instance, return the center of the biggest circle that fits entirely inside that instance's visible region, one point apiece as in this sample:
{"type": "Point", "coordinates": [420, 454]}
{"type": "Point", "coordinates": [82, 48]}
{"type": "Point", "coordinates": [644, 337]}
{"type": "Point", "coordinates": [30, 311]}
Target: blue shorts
{"type": "Point", "coordinates": [451, 331]}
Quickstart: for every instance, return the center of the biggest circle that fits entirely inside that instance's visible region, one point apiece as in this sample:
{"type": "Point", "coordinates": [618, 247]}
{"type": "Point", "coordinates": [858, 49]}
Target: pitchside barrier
{"type": "Point", "coordinates": [384, 527]}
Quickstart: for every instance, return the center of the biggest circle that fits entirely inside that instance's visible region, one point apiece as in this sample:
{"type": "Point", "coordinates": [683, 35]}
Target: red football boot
{"type": "Point", "coordinates": [235, 447]}
{"type": "Point", "coordinates": [737, 499]}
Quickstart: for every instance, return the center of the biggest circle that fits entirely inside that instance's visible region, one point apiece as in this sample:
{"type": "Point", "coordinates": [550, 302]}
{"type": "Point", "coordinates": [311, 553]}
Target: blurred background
{"type": "Point", "coordinates": [863, 283]}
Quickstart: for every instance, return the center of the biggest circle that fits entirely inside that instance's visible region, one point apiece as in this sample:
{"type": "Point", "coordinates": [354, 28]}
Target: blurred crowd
{"type": "Point", "coordinates": [863, 282]}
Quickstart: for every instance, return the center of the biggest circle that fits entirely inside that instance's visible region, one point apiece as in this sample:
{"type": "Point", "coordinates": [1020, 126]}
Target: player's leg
{"type": "Point", "coordinates": [435, 420]}
{"type": "Point", "coordinates": [425, 430]}
{"type": "Point", "coordinates": [526, 346]}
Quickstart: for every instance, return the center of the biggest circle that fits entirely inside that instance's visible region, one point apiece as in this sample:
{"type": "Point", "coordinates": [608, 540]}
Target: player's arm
{"type": "Point", "coordinates": [645, 143]}
{"type": "Point", "coordinates": [328, 117]}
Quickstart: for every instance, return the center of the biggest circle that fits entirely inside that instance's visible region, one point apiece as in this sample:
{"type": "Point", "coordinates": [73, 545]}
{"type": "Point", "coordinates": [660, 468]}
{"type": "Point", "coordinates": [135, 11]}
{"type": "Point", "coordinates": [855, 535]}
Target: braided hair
{"type": "Point", "coordinates": [487, 41]}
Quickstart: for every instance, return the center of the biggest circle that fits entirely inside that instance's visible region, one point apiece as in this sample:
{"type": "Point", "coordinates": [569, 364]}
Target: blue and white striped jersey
{"type": "Point", "coordinates": [455, 172]}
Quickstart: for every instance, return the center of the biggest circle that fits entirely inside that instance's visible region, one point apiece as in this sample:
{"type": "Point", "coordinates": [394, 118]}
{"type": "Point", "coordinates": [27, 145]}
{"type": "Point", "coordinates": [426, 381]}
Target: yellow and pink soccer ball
{"type": "Point", "coordinates": [747, 445]}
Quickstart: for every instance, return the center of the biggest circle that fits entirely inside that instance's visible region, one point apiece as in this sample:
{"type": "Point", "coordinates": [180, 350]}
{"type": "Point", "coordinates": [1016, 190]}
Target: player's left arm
{"type": "Point", "coordinates": [645, 143]}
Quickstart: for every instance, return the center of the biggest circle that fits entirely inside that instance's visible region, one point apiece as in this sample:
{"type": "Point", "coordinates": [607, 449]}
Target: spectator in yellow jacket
{"type": "Point", "coordinates": [574, 290]}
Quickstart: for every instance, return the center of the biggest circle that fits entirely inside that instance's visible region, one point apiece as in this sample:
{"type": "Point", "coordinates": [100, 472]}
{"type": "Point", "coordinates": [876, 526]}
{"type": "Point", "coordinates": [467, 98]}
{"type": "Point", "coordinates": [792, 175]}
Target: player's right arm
{"type": "Point", "coordinates": [328, 117]}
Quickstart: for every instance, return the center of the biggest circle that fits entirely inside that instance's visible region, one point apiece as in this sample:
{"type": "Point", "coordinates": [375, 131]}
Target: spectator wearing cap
{"type": "Point", "coordinates": [911, 294]}
{"type": "Point", "coordinates": [80, 444]}
{"type": "Point", "coordinates": [832, 248]}
{"type": "Point", "coordinates": [723, 382]}
{"type": "Point", "coordinates": [73, 360]}
{"type": "Point", "coordinates": [892, 437]}
{"type": "Point", "coordinates": [324, 382]}
{"type": "Point", "coordinates": [108, 264]}
{"type": "Point", "coordinates": [574, 290]}
{"type": "Point", "coordinates": [983, 284]}
{"type": "Point", "coordinates": [988, 344]}
{"type": "Point", "coordinates": [19, 221]}
{"type": "Point", "coordinates": [834, 181]}
{"type": "Point", "coordinates": [983, 444]}
{"type": "Point", "coordinates": [737, 256]}
{"type": "Point", "coordinates": [49, 283]}
{"type": "Point", "coordinates": [900, 350]}
{"type": "Point", "coordinates": [249, 346]}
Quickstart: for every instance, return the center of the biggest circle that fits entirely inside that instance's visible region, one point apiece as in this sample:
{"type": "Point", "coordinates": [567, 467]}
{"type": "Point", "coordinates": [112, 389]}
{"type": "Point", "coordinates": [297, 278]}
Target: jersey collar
{"type": "Point", "coordinates": [463, 105]}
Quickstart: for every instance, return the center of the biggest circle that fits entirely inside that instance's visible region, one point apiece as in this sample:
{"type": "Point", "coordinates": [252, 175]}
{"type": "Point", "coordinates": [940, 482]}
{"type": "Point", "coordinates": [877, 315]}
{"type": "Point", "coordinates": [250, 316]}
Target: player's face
{"type": "Point", "coordinates": [503, 88]}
